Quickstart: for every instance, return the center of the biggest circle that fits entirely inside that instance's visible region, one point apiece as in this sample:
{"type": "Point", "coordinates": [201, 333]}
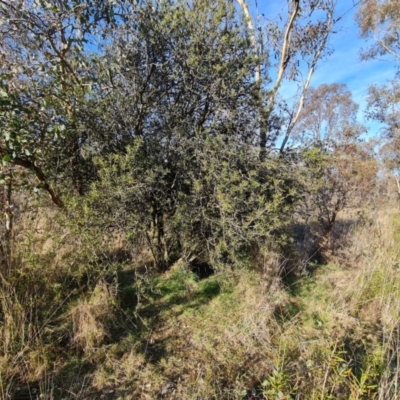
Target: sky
{"type": "Point", "coordinates": [344, 65]}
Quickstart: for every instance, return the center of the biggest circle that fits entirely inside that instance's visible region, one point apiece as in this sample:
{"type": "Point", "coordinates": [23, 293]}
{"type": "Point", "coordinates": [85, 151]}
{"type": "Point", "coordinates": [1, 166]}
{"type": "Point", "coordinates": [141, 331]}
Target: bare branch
{"type": "Point", "coordinates": [284, 54]}
{"type": "Point", "coordinates": [306, 85]}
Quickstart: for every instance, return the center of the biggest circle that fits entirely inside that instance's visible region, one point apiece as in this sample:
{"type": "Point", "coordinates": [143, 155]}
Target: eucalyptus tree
{"type": "Point", "coordinates": [380, 21]}
{"type": "Point", "coordinates": [294, 42]}
{"type": "Point", "coordinates": [47, 51]}
{"type": "Point", "coordinates": [340, 168]}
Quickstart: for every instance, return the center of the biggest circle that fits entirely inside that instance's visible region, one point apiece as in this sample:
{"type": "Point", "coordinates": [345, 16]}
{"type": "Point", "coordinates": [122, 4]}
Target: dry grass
{"type": "Point", "coordinates": [332, 333]}
{"type": "Point", "coordinates": [90, 318]}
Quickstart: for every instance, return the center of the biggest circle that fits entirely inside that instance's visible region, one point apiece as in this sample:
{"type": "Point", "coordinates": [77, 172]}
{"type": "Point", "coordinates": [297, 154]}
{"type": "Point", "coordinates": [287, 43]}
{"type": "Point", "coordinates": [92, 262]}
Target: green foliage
{"type": "Point", "coordinates": [276, 386]}
{"type": "Point", "coordinates": [173, 121]}
{"type": "Point", "coordinates": [216, 209]}
{"type": "Point", "coordinates": [45, 85]}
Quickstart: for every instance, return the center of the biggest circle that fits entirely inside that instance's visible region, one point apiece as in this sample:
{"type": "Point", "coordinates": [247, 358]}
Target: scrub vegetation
{"type": "Point", "coordinates": [172, 227]}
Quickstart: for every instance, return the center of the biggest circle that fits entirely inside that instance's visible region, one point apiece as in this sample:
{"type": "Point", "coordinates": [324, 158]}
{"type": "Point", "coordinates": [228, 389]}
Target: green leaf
{"type": "Point", "coordinates": [7, 158]}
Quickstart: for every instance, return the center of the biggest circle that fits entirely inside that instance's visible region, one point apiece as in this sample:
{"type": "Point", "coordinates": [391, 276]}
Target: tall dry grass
{"type": "Point", "coordinates": [75, 325]}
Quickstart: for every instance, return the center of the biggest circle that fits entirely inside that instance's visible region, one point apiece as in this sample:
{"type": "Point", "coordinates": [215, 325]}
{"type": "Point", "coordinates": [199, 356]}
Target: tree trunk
{"type": "Point", "coordinates": [158, 242]}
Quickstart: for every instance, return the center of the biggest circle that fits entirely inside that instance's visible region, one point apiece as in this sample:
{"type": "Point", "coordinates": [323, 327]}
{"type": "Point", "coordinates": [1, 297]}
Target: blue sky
{"type": "Point", "coordinates": [344, 65]}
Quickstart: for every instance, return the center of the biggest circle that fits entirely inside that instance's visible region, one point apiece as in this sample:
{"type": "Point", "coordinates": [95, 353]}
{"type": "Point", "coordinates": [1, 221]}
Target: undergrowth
{"type": "Point", "coordinates": [76, 325]}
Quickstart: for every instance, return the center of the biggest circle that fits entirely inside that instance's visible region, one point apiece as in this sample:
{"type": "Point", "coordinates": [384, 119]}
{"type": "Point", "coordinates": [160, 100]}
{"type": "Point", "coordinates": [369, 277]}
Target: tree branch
{"type": "Point", "coordinates": [253, 38]}
{"type": "Point", "coordinates": [311, 70]}
{"type": "Point", "coordinates": [41, 177]}
{"type": "Point", "coordinates": [284, 56]}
